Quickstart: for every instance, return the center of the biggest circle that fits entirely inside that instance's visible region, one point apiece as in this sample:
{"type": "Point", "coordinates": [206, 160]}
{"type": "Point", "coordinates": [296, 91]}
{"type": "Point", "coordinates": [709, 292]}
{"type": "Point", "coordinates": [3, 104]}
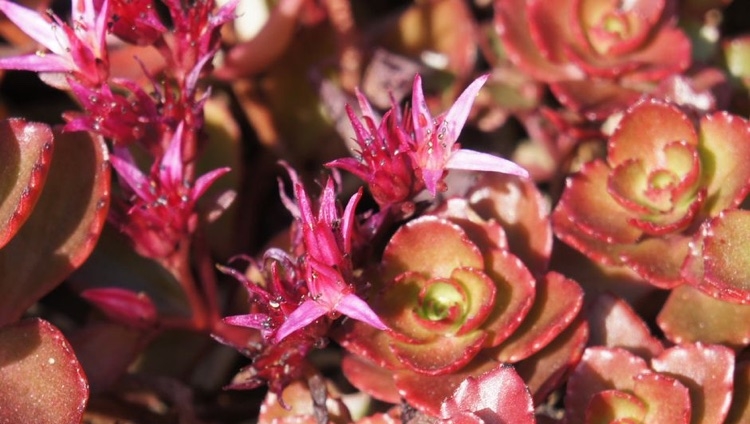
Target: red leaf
{"type": "Point", "coordinates": [25, 154]}
{"type": "Point", "coordinates": [499, 395]}
{"type": "Point", "coordinates": [63, 228]}
{"type": "Point", "coordinates": [42, 380]}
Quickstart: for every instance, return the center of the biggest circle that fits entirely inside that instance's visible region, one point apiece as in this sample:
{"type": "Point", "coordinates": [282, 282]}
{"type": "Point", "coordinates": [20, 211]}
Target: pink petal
{"type": "Point", "coordinates": [132, 176]}
{"type": "Point", "coordinates": [421, 117]}
{"type": "Point", "coordinates": [307, 312]}
{"type": "Point", "coordinates": [471, 160]}
{"type": "Point", "coordinates": [36, 63]}
{"type": "Point", "coordinates": [456, 116]}
{"type": "Point", "coordinates": [35, 26]}
{"type": "Point", "coordinates": [204, 182]}
{"type": "Point", "coordinates": [356, 308]}
{"type": "Point", "coordinates": [171, 163]}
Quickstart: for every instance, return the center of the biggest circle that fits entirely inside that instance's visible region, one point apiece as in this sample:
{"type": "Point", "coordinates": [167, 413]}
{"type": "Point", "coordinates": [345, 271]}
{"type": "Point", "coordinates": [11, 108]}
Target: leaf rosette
{"type": "Point", "coordinates": [598, 55]}
{"type": "Point", "coordinates": [458, 300]}
{"type": "Point", "coordinates": [656, 203]}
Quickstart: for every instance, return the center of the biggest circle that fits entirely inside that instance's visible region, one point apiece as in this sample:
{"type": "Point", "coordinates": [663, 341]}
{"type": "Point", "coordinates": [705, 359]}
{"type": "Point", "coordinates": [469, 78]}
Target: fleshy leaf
{"type": "Point", "coordinates": [426, 392]}
{"type": "Point", "coordinates": [658, 259]}
{"type": "Point", "coordinates": [666, 399]}
{"type": "Point", "coordinates": [558, 301]}
{"type": "Point", "coordinates": [610, 406]}
{"type": "Point", "coordinates": [432, 246]}
{"type": "Point", "coordinates": [600, 369]}
{"type": "Point", "coordinates": [544, 371]}
{"type": "Point", "coordinates": [499, 395]}
{"type": "Point", "coordinates": [718, 263]}
{"type": "Point", "coordinates": [740, 412]}
{"type": "Point", "coordinates": [587, 203]}
{"type": "Point", "coordinates": [707, 371]}
{"type": "Point", "coordinates": [25, 151]}
{"type": "Point", "coordinates": [689, 315]}
{"type": "Point", "coordinates": [42, 380]}
{"type": "Point", "coordinates": [524, 214]}
{"type": "Point", "coordinates": [614, 323]}
{"type": "Point", "coordinates": [369, 378]}
{"type": "Point", "coordinates": [441, 355]}
{"type": "Point", "coordinates": [725, 143]}
{"type": "Point", "coordinates": [647, 128]}
{"type": "Point", "coordinates": [62, 230]}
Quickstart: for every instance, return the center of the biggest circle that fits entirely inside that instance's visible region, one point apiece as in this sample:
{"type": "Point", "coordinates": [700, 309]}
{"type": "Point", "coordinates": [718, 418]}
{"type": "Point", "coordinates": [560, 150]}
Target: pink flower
{"type": "Point", "coordinates": [398, 158]}
{"type": "Point", "coordinates": [383, 163]}
{"type": "Point", "coordinates": [161, 210]}
{"type": "Point", "coordinates": [327, 241]}
{"type": "Point", "coordinates": [434, 148]}
{"type": "Point", "coordinates": [80, 49]}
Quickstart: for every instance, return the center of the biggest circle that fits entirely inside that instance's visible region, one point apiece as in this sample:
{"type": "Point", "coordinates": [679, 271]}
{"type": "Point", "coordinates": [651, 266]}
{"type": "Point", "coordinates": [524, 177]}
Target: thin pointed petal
{"type": "Point", "coordinates": [431, 178]}
{"type": "Point", "coordinates": [204, 182]}
{"type": "Point", "coordinates": [348, 220]}
{"type": "Point", "coordinates": [171, 163]}
{"type": "Point", "coordinates": [132, 176]}
{"type": "Point", "coordinates": [36, 63]}
{"type": "Point", "coordinates": [356, 308]}
{"type": "Point", "coordinates": [456, 116]}
{"type": "Point", "coordinates": [421, 117]}
{"type": "Point", "coordinates": [471, 160]}
{"type": "Point", "coordinates": [305, 313]}
{"type": "Point", "coordinates": [36, 27]}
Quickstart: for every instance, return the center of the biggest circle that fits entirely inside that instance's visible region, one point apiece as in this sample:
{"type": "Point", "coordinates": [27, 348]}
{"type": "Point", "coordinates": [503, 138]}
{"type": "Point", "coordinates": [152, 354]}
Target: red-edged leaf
{"type": "Point", "coordinates": [25, 152]}
{"type": "Point", "coordinates": [707, 371]}
{"type": "Point", "coordinates": [587, 203]}
{"type": "Point", "coordinates": [63, 228]}
{"type": "Point", "coordinates": [512, 22]}
{"type": "Point", "coordinates": [725, 143]}
{"type": "Point", "coordinates": [594, 98]}
{"type": "Point", "coordinates": [499, 395]}
{"type": "Point", "coordinates": [718, 263]}
{"type": "Point", "coordinates": [614, 406]}
{"type": "Point", "coordinates": [666, 399]}
{"type": "Point", "coordinates": [519, 206]}
{"type": "Point", "coordinates": [514, 295]}
{"type": "Point", "coordinates": [659, 259]}
{"type": "Point", "coordinates": [432, 246]}
{"type": "Point", "coordinates": [370, 378]}
{"type": "Point", "coordinates": [600, 369]}
{"type": "Point", "coordinates": [427, 393]}
{"type": "Point", "coordinates": [42, 380]}
{"type": "Point", "coordinates": [613, 323]}
{"type": "Point", "coordinates": [441, 355]}
{"type": "Point", "coordinates": [546, 370]}
{"type": "Point", "coordinates": [645, 130]}
{"type": "Point", "coordinates": [557, 303]}
{"type": "Point", "coordinates": [740, 411]}
{"type": "Point", "coordinates": [689, 315]}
